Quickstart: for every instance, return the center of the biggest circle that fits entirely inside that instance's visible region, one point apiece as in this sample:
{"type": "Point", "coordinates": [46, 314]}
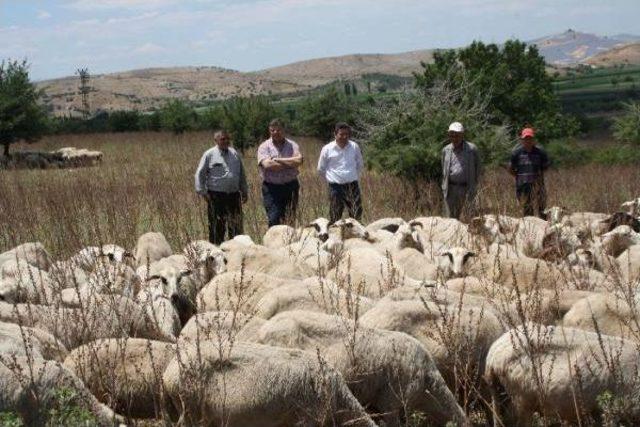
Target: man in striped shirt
{"type": "Point", "coordinates": [528, 163]}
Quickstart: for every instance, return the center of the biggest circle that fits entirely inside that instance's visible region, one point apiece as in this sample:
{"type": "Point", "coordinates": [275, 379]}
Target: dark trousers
{"type": "Point", "coordinates": [280, 201]}
{"type": "Point", "coordinates": [225, 216]}
{"type": "Point", "coordinates": [532, 196]}
{"type": "Point", "coordinates": [341, 195]}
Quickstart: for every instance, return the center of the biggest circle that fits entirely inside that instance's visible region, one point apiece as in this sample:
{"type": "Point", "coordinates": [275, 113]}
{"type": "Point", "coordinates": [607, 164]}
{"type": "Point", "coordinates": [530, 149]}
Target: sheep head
{"type": "Point", "coordinates": [453, 262]}
{"type": "Point", "coordinates": [350, 228]}
{"type": "Point", "coordinates": [556, 213]}
{"type": "Point", "coordinates": [632, 207]}
{"type": "Point", "coordinates": [321, 227]}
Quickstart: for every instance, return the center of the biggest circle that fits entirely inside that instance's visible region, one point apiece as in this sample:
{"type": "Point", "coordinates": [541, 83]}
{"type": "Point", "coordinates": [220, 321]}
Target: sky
{"type": "Point", "coordinates": [58, 37]}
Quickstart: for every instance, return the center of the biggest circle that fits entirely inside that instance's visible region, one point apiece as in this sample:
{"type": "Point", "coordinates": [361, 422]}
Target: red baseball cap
{"type": "Point", "coordinates": [527, 133]}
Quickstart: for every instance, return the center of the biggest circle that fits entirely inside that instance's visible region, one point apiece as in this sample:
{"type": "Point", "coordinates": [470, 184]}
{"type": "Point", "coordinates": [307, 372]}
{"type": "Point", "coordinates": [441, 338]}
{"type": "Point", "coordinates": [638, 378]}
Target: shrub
{"type": "Point", "coordinates": [626, 129]}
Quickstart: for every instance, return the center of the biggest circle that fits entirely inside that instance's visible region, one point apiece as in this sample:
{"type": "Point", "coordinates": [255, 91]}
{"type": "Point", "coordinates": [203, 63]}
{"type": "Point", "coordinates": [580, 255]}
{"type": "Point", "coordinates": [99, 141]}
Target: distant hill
{"type": "Point", "coordinates": [150, 88]}
{"type": "Point", "coordinates": [573, 47]}
{"type": "Point", "coordinates": [627, 54]}
{"type": "Point", "coordinates": [324, 70]}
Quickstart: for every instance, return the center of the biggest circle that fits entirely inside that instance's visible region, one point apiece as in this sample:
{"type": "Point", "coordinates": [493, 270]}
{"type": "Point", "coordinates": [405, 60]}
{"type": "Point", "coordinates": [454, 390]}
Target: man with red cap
{"type": "Point", "coordinates": [528, 163]}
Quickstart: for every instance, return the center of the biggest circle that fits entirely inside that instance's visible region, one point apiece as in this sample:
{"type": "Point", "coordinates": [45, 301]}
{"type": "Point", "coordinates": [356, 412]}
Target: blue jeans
{"type": "Point", "coordinates": [280, 201]}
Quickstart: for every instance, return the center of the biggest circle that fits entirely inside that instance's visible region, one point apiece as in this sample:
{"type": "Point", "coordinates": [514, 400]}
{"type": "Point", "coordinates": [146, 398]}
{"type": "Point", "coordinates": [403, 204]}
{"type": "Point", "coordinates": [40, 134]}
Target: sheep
{"type": "Point", "coordinates": [101, 316]}
{"type": "Point", "coordinates": [593, 258]}
{"type": "Point", "coordinates": [454, 261]}
{"type": "Point", "coordinates": [32, 253]}
{"type": "Point", "coordinates": [406, 236]}
{"type": "Point", "coordinates": [388, 224]}
{"type": "Point", "coordinates": [604, 313]}
{"type": "Point", "coordinates": [416, 264]}
{"type": "Point", "coordinates": [31, 342]}
{"type": "Point", "coordinates": [313, 295]}
{"type": "Point", "coordinates": [390, 373]}
{"type": "Point", "coordinates": [151, 247]}
{"type": "Point", "coordinates": [88, 257]}
{"type": "Point", "coordinates": [22, 282]}
{"type": "Point", "coordinates": [114, 277]}
{"type": "Point", "coordinates": [556, 370]}
{"type": "Point", "coordinates": [350, 228]}
{"type": "Point", "coordinates": [628, 264]}
{"type": "Point", "coordinates": [617, 219]}
{"type": "Point", "coordinates": [206, 261]}
{"type": "Point", "coordinates": [263, 260]}
{"type": "Point", "coordinates": [371, 273]}
{"type": "Point", "coordinates": [168, 295]}
{"type": "Point", "coordinates": [618, 240]}
{"type": "Point", "coordinates": [124, 373]}
{"type": "Point", "coordinates": [632, 207]}
{"type": "Point", "coordinates": [238, 291]}
{"type": "Point", "coordinates": [260, 386]}
{"type": "Point", "coordinates": [556, 214]}
{"type": "Point", "coordinates": [221, 326]}
{"type": "Point", "coordinates": [64, 274]}
{"type": "Point", "coordinates": [30, 386]}
{"type": "Point", "coordinates": [458, 338]}
{"type": "Point", "coordinates": [278, 236]}
{"type": "Point", "coordinates": [241, 241]}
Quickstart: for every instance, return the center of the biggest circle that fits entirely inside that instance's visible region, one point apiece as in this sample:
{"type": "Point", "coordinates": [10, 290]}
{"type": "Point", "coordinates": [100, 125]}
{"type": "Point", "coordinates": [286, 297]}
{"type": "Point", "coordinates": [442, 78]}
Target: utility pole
{"type": "Point", "coordinates": [84, 90]}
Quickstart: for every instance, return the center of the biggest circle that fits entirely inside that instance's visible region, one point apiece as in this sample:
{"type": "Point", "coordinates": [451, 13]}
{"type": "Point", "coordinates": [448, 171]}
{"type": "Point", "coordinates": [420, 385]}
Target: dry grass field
{"type": "Point", "coordinates": [146, 183]}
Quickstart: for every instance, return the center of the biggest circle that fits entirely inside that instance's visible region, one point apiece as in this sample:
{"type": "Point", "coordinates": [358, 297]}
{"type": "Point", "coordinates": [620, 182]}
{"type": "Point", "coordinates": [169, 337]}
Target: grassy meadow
{"type": "Point", "coordinates": [145, 183]}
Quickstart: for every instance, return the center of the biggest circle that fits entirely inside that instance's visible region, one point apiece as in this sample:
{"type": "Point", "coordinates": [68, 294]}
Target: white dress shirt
{"type": "Point", "coordinates": [340, 165]}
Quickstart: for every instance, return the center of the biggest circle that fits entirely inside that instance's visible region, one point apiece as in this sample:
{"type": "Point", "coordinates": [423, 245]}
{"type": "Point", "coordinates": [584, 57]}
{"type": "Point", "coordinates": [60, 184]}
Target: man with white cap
{"type": "Point", "coordinates": [461, 170]}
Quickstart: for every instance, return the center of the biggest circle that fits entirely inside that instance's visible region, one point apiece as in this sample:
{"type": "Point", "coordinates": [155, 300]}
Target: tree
{"type": "Point", "coordinates": [320, 113]}
{"type": "Point", "coordinates": [405, 136]}
{"type": "Point", "coordinates": [247, 119]}
{"type": "Point", "coordinates": [177, 117]}
{"type": "Point", "coordinates": [626, 128]}
{"type": "Point", "coordinates": [512, 76]}
{"type": "Point", "coordinates": [21, 117]}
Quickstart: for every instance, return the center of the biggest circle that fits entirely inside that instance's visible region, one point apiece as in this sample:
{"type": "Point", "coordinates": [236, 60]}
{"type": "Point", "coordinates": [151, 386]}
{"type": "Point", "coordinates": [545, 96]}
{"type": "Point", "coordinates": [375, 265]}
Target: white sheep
{"type": "Point", "coordinates": [33, 253]}
{"type": "Point", "coordinates": [453, 262]}
{"type": "Point", "coordinates": [262, 386]}
{"type": "Point", "coordinates": [632, 207]}
{"type": "Point", "coordinates": [560, 372]}
{"type": "Point", "coordinates": [151, 247]}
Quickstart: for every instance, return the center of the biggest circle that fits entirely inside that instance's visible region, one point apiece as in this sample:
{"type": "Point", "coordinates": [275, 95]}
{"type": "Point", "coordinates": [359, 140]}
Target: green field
{"type": "Point", "coordinates": [590, 91]}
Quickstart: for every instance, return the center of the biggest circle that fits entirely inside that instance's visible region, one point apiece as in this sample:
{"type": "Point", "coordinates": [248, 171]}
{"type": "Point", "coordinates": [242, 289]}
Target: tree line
{"type": "Point", "coordinates": [494, 90]}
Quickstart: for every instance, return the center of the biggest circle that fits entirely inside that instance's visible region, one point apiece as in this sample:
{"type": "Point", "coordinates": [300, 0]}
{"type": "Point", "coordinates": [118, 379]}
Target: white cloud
{"type": "Point", "coordinates": [43, 14]}
{"type": "Point", "coordinates": [149, 48]}
{"type": "Point", "coordinates": [91, 5]}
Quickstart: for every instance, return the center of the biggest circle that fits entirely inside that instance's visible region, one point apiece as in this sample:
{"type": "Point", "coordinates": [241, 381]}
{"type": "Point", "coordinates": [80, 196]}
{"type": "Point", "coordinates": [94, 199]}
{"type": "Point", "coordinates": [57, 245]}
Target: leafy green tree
{"type": "Point", "coordinates": [21, 117]}
{"type": "Point", "coordinates": [177, 117]}
{"type": "Point", "coordinates": [626, 128]}
{"type": "Point", "coordinates": [405, 136]}
{"type": "Point", "coordinates": [247, 119]}
{"type": "Point", "coordinates": [513, 77]}
{"type": "Point", "coordinates": [320, 113]}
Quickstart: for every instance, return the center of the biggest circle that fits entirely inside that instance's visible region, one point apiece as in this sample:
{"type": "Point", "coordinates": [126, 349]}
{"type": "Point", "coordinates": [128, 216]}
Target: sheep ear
{"type": "Point", "coordinates": [185, 273]}
{"type": "Point", "coordinates": [627, 204]}
{"type": "Point", "coordinates": [154, 277]}
{"type": "Point", "coordinates": [469, 254]}
{"type": "Point", "coordinates": [413, 224]}
{"type": "Point", "coordinates": [128, 254]}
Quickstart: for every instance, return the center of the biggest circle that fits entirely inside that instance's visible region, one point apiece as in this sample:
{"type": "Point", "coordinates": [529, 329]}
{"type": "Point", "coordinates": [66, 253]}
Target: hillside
{"type": "Point", "coordinates": [320, 71]}
{"type": "Point", "coordinates": [628, 54]}
{"type": "Point", "coordinates": [572, 47]}
{"type": "Point", "coordinates": [150, 88]}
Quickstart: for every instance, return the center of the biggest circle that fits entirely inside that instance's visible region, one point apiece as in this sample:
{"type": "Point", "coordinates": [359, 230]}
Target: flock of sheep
{"type": "Point", "coordinates": [421, 322]}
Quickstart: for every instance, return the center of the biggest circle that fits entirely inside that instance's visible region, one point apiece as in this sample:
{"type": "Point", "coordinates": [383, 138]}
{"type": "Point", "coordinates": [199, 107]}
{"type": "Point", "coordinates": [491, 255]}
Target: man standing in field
{"type": "Point", "coordinates": [461, 170]}
{"type": "Point", "coordinates": [279, 159]}
{"type": "Point", "coordinates": [340, 163]}
{"type": "Point", "coordinates": [220, 178]}
{"type": "Point", "coordinates": [528, 163]}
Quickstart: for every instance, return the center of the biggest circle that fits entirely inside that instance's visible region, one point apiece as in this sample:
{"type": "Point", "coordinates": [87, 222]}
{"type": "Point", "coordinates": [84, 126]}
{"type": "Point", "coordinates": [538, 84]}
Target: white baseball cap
{"type": "Point", "coordinates": [456, 127]}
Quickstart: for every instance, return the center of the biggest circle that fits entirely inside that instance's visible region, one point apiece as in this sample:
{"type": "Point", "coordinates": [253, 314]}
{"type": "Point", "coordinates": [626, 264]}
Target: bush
{"type": "Point", "coordinates": [320, 113]}
{"type": "Point", "coordinates": [405, 136]}
{"type": "Point", "coordinates": [247, 120]}
{"type": "Point", "coordinates": [626, 129]}
{"type": "Point", "coordinates": [177, 117]}
{"type": "Point", "coordinates": [124, 121]}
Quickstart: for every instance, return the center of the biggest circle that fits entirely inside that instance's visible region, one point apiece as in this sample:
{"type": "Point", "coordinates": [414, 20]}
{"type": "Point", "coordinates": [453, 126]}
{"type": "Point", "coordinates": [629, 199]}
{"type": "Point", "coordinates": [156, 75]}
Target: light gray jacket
{"type": "Point", "coordinates": [221, 171]}
{"type": "Point", "coordinates": [473, 167]}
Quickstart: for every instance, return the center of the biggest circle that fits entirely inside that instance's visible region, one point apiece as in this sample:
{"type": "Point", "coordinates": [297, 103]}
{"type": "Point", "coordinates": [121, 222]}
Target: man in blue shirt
{"type": "Point", "coordinates": [528, 163]}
